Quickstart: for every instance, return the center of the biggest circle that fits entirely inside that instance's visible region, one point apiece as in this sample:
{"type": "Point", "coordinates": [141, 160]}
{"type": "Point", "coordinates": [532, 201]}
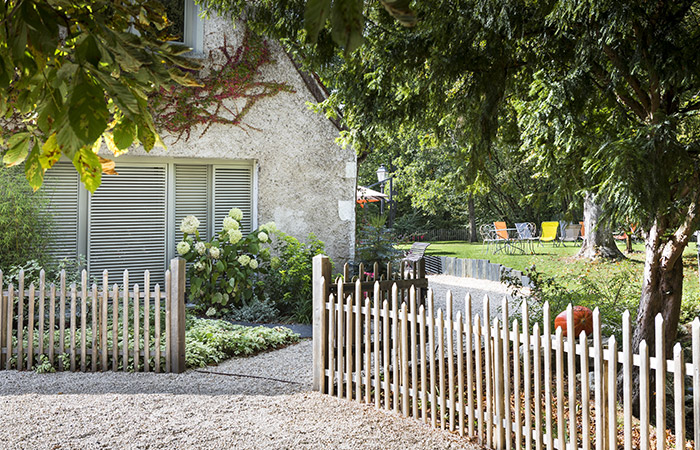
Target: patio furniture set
{"type": "Point", "coordinates": [497, 237]}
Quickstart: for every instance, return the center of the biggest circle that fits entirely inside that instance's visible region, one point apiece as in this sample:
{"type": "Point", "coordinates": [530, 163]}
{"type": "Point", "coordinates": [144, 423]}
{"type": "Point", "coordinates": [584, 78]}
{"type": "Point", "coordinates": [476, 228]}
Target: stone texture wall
{"type": "Point", "coordinates": [306, 182]}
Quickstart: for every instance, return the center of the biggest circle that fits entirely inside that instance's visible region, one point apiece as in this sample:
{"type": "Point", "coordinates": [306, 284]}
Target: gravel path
{"type": "Point", "coordinates": [197, 410]}
{"type": "Point", "coordinates": [478, 289]}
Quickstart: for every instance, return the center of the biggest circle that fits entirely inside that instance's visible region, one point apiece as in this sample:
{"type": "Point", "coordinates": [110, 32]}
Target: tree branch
{"type": "Point", "coordinates": [682, 235]}
{"type": "Point", "coordinates": [631, 80]}
{"type": "Point", "coordinates": [691, 107]}
{"type": "Point", "coordinates": [654, 93]}
{"type": "Point", "coordinates": [621, 98]}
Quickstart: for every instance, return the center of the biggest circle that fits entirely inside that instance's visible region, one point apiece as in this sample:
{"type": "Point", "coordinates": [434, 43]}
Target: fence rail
{"type": "Point", "coordinates": [403, 275]}
{"type": "Point", "coordinates": [452, 234]}
{"type": "Point", "coordinates": [498, 382]}
{"type": "Point", "coordinates": [132, 327]}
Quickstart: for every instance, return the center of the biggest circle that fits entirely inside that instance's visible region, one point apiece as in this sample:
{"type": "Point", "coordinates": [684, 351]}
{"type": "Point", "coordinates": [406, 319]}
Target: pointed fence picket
{"type": "Point", "coordinates": [500, 382]}
{"type": "Point", "coordinates": [31, 336]}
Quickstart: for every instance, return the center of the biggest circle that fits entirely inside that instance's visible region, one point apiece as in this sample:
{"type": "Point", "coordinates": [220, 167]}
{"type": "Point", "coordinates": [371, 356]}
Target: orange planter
{"type": "Point", "coordinates": [583, 321]}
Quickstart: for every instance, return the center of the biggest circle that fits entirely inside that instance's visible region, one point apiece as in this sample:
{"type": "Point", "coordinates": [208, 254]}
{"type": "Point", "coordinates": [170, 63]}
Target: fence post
{"type": "Point", "coordinates": [419, 272]}
{"type": "Point", "coordinates": [321, 288]}
{"type": "Point", "coordinates": [177, 315]}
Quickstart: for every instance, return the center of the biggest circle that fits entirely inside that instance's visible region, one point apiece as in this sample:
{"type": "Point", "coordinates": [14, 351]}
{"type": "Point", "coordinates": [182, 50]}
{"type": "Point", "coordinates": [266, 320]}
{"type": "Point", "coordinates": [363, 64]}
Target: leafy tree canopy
{"type": "Point", "coordinates": [605, 95]}
{"type": "Point", "coordinates": [76, 73]}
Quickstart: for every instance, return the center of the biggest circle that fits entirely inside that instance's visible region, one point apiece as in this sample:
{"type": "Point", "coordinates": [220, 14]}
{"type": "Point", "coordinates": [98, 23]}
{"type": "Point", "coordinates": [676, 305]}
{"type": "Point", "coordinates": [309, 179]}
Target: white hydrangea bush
{"type": "Point", "coordinates": [225, 270]}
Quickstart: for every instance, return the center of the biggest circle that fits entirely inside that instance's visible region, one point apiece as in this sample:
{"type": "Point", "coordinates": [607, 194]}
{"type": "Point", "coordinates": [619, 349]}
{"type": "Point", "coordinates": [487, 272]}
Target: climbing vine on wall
{"type": "Point", "coordinates": [229, 87]}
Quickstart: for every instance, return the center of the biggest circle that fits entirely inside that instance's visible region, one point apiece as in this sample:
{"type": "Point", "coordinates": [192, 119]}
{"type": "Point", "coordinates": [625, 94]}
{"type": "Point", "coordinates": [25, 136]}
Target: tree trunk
{"type": "Point", "coordinates": [472, 220]}
{"type": "Point", "coordinates": [662, 293]}
{"type": "Point", "coordinates": [598, 241]}
{"type": "Point", "coordinates": [662, 287]}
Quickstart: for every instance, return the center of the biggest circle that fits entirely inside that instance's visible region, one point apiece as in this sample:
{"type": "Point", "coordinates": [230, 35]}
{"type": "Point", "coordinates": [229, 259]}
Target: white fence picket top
{"type": "Point", "coordinates": [500, 383]}
{"type": "Point", "coordinates": [31, 332]}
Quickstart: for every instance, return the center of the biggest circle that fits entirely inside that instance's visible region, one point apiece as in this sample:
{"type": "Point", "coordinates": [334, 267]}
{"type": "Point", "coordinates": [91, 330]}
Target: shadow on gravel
{"type": "Point", "coordinates": [279, 372]}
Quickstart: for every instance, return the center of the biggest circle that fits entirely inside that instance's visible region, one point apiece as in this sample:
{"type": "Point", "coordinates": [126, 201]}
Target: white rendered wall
{"type": "Point", "coordinates": [305, 181]}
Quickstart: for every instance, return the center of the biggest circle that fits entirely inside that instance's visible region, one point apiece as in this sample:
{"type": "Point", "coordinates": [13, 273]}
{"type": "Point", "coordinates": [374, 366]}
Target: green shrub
{"type": "Point", "coordinates": [25, 227]}
{"type": "Point", "coordinates": [288, 283]}
{"type": "Point", "coordinates": [33, 267]}
{"type": "Point", "coordinates": [612, 296]}
{"type": "Point", "coordinates": [223, 272]}
{"type": "Point", "coordinates": [211, 341]}
{"type": "Point", "coordinates": [257, 311]}
{"type": "Point", "coordinates": [376, 243]}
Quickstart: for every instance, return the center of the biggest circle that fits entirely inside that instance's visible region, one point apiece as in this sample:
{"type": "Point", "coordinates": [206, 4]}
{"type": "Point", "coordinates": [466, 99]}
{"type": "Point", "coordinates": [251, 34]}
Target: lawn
{"type": "Point", "coordinates": [560, 262]}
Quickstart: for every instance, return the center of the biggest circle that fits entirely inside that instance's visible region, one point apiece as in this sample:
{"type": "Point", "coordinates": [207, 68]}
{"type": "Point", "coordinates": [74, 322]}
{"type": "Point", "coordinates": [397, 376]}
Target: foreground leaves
{"type": "Point", "coordinates": [74, 71]}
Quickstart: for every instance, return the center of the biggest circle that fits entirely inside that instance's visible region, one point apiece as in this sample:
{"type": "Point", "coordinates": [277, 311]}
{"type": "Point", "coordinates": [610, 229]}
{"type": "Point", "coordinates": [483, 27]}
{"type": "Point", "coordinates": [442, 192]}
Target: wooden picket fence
{"type": "Point", "coordinates": [507, 388]}
{"type": "Point", "coordinates": [114, 330]}
{"type": "Point", "coordinates": [402, 275]}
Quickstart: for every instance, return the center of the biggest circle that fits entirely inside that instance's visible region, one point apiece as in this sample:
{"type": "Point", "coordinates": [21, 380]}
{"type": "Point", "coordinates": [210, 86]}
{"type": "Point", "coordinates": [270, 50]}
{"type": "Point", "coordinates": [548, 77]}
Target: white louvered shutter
{"type": "Point", "coordinates": [127, 228]}
{"type": "Point", "coordinates": [191, 197]}
{"type": "Point", "coordinates": [233, 188]}
{"type": "Point", "coordinates": [61, 186]}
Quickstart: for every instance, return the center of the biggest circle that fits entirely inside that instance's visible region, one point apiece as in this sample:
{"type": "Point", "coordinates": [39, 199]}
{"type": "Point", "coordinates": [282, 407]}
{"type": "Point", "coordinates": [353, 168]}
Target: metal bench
{"type": "Point", "coordinates": [415, 254]}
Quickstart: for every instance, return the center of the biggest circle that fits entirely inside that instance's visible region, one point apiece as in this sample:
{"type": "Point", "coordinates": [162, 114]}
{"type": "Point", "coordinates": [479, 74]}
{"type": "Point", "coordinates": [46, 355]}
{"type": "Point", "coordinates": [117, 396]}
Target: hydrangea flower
{"type": "Point", "coordinates": [215, 252]}
{"type": "Point", "coordinates": [231, 224]}
{"type": "Point", "coordinates": [199, 266]}
{"type": "Point", "coordinates": [236, 214]}
{"type": "Point", "coordinates": [234, 236]}
{"type": "Point", "coordinates": [200, 247]}
{"type": "Point", "coordinates": [262, 236]}
{"type": "Point", "coordinates": [268, 227]}
{"type": "Point", "coordinates": [253, 264]}
{"type": "Point", "coordinates": [183, 247]}
{"type": "Point", "coordinates": [189, 224]}
{"type": "Point", "coordinates": [243, 260]}
{"type": "Point", "coordinates": [211, 312]}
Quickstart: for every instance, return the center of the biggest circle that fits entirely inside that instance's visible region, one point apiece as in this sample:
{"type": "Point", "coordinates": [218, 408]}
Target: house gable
{"type": "Point", "coordinates": [284, 166]}
{"type": "Point", "coordinates": [306, 181]}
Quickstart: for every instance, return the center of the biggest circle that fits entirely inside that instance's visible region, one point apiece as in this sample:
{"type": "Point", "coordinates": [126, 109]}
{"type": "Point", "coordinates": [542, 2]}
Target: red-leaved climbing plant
{"type": "Point", "coordinates": [230, 86]}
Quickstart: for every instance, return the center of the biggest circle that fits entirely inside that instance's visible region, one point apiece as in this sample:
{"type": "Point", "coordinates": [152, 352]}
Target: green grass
{"type": "Point", "coordinates": [560, 263]}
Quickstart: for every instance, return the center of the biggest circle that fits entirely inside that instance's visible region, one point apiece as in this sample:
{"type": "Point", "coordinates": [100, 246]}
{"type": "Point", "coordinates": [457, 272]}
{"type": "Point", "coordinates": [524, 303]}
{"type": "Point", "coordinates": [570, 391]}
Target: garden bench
{"type": "Point", "coordinates": [416, 252]}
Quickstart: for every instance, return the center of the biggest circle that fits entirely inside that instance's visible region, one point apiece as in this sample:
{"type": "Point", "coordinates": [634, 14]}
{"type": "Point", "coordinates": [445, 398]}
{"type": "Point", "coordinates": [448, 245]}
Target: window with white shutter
{"type": "Point", "coordinates": [233, 188]}
{"type": "Point", "coordinates": [133, 219]}
{"type": "Point", "coordinates": [61, 186]}
{"type": "Point", "coordinates": [127, 224]}
{"type": "Point", "coordinates": [192, 197]}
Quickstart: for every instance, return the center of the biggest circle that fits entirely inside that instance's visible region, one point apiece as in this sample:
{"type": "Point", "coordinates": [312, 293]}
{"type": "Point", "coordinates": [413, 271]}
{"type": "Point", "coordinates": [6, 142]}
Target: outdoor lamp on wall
{"type": "Point", "coordinates": [382, 173]}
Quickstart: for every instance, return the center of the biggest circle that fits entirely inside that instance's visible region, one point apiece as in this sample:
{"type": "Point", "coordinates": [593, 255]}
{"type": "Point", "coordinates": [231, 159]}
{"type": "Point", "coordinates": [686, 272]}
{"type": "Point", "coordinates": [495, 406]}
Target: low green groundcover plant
{"type": "Point", "coordinates": [210, 341]}
{"type": "Point", "coordinates": [207, 341]}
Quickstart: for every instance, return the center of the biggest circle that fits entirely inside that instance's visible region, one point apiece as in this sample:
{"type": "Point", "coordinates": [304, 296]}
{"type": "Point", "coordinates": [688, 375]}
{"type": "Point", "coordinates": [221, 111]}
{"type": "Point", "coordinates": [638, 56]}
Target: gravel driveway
{"type": "Point", "coordinates": [198, 410]}
{"type": "Point", "coordinates": [478, 289]}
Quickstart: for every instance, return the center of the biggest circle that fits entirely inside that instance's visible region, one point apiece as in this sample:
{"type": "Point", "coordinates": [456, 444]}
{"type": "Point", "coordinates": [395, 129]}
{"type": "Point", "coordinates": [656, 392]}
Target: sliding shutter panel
{"type": "Point", "coordinates": [61, 186]}
{"type": "Point", "coordinates": [128, 224]}
{"type": "Point", "coordinates": [233, 188]}
{"type": "Point", "coordinates": [191, 197]}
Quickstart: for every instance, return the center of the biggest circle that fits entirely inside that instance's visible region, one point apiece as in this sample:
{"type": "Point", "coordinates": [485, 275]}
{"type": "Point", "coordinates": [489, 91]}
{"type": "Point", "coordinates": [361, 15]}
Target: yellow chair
{"type": "Point", "coordinates": [549, 232]}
